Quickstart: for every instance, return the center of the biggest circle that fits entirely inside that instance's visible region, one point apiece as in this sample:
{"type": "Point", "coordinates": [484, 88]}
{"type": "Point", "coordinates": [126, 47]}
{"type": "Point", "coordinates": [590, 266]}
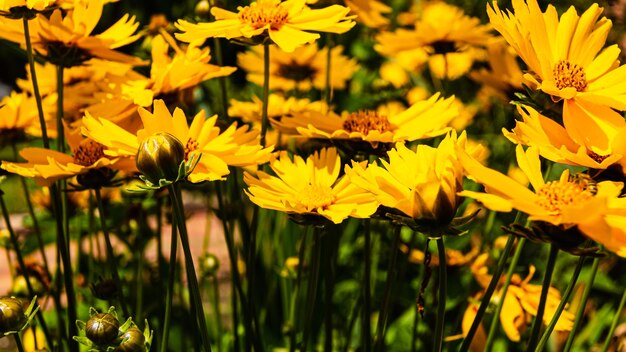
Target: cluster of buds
{"type": "Point", "coordinates": [103, 332]}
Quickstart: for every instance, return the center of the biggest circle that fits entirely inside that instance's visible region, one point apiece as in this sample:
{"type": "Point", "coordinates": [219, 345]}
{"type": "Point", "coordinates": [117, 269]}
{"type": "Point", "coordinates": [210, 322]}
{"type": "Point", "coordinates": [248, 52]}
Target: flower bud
{"type": "Point", "coordinates": [12, 315]}
{"type": "Point", "coordinates": [102, 328]}
{"type": "Point", "coordinates": [132, 341]}
{"type": "Point", "coordinates": [203, 8]}
{"type": "Point", "coordinates": [209, 264]}
{"type": "Point", "coordinates": [159, 157]}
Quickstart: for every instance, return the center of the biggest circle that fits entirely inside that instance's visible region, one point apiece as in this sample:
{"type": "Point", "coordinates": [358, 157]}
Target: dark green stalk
{"type": "Point", "coordinates": [441, 305]}
{"type": "Point", "coordinates": [139, 292]}
{"type": "Point", "coordinates": [561, 306]}
{"type": "Point", "coordinates": [379, 342]}
{"type": "Point", "coordinates": [60, 111]}
{"type": "Point", "coordinates": [110, 253]}
{"type": "Point", "coordinates": [194, 290]}
{"type": "Point", "coordinates": [216, 310]}
{"type": "Point", "coordinates": [18, 342]}
{"type": "Point", "coordinates": [33, 77]}
{"type": "Point", "coordinates": [329, 277]}
{"type": "Point", "coordinates": [312, 286]}
{"type": "Point", "coordinates": [266, 91]}
{"type": "Point", "coordinates": [547, 279]}
{"type": "Point", "coordinates": [618, 314]}
{"type": "Point", "coordinates": [367, 291]}
{"type": "Point", "coordinates": [496, 315]}
{"type": "Point", "coordinates": [22, 264]}
{"type": "Point", "coordinates": [583, 303]}
{"type": "Point", "coordinates": [235, 313]}
{"type": "Point", "coordinates": [170, 288]}
{"type": "Point", "coordinates": [296, 299]}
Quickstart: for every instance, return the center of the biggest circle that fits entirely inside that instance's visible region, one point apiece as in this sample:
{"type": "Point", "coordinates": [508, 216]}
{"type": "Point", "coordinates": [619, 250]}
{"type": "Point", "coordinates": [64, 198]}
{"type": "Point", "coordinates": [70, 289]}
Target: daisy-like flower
{"type": "Point", "coordinates": [310, 187]}
{"type": "Point", "coordinates": [555, 143]}
{"type": "Point", "coordinates": [47, 166]}
{"type": "Point", "coordinates": [67, 39]}
{"type": "Point", "coordinates": [369, 12]}
{"type": "Point", "coordinates": [18, 117]}
{"type": "Point", "coordinates": [422, 184]}
{"type": "Point", "coordinates": [443, 37]}
{"type": "Point", "coordinates": [232, 147]}
{"type": "Point", "coordinates": [520, 303]}
{"type": "Point", "coordinates": [278, 106]}
{"type": "Point", "coordinates": [19, 8]}
{"type": "Point", "coordinates": [566, 61]}
{"type": "Point", "coordinates": [302, 69]}
{"type": "Point", "coordinates": [286, 23]}
{"type": "Point", "coordinates": [568, 203]}
{"type": "Point", "coordinates": [424, 119]}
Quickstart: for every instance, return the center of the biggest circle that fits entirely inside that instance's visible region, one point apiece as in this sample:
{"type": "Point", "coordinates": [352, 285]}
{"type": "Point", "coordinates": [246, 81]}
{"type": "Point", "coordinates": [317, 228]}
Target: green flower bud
{"type": "Point", "coordinates": [102, 328]}
{"type": "Point", "coordinates": [209, 264]}
{"type": "Point", "coordinates": [12, 314]}
{"type": "Point", "coordinates": [132, 341]}
{"type": "Point", "coordinates": [159, 157]}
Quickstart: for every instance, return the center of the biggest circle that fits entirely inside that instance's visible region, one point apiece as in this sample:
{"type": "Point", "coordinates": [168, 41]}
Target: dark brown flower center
{"type": "Point", "coordinates": [366, 121]}
{"type": "Point", "coordinates": [191, 146]}
{"type": "Point", "coordinates": [88, 152]}
{"type": "Point", "coordinates": [264, 12]}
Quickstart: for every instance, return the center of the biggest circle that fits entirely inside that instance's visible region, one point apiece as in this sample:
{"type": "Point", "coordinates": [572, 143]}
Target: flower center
{"type": "Point", "coordinates": [314, 196]}
{"type": "Point", "coordinates": [568, 75]}
{"type": "Point", "coordinates": [264, 13]}
{"type": "Point", "coordinates": [192, 145]}
{"type": "Point", "coordinates": [296, 72]}
{"type": "Point", "coordinates": [555, 195]}
{"type": "Point", "coordinates": [366, 121]}
{"type": "Point", "coordinates": [597, 157]}
{"type": "Point", "coordinates": [88, 152]}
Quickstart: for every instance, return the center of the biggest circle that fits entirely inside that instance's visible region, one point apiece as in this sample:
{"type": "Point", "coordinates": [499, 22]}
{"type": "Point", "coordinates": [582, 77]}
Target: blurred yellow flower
{"type": "Point", "coordinates": [18, 117]}
{"type": "Point", "coordinates": [232, 147]}
{"type": "Point", "coordinates": [442, 36]}
{"type": "Point", "coordinates": [278, 106]}
{"type": "Point", "coordinates": [286, 23]}
{"type": "Point", "coordinates": [38, 5]}
{"type": "Point", "coordinates": [369, 12]}
{"type": "Point", "coordinates": [310, 187]}
{"type": "Point", "coordinates": [566, 61]}
{"type": "Point", "coordinates": [422, 184]}
{"type": "Point", "coordinates": [424, 119]}
{"type": "Point", "coordinates": [594, 208]}
{"type": "Point", "coordinates": [302, 69]}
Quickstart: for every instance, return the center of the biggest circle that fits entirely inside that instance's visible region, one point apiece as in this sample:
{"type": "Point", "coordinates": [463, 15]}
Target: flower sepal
{"type": "Point", "coordinates": [312, 219]}
{"type": "Point", "coordinates": [184, 169]}
{"type": "Point", "coordinates": [432, 228]}
{"type": "Point", "coordinates": [569, 240]}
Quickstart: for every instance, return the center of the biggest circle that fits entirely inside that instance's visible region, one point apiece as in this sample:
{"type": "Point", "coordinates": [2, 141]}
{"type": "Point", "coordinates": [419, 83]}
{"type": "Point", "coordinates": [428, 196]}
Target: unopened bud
{"type": "Point", "coordinates": [12, 314]}
{"type": "Point", "coordinates": [203, 8]}
{"type": "Point", "coordinates": [159, 157]}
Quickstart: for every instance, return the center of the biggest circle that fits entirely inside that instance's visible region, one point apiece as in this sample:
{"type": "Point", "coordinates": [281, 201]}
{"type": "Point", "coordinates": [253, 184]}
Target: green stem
{"type": "Point", "coordinates": [33, 76]}
{"type": "Point", "coordinates": [60, 111]}
{"type": "Point", "coordinates": [379, 342]}
{"type": "Point", "coordinates": [22, 264]}
{"type": "Point", "coordinates": [547, 279]}
{"type": "Point", "coordinates": [329, 277]}
{"type": "Point", "coordinates": [170, 288]}
{"type": "Point", "coordinates": [312, 286]}
{"type": "Point", "coordinates": [583, 303]}
{"type": "Point", "coordinates": [194, 290]}
{"type": "Point", "coordinates": [367, 291]}
{"type": "Point", "coordinates": [139, 293]}
{"type": "Point", "coordinates": [217, 311]}
{"type": "Point", "coordinates": [505, 288]}
{"type": "Point", "coordinates": [266, 91]}
{"type": "Point", "coordinates": [297, 304]}
{"type": "Point", "coordinates": [618, 314]}
{"type": "Point", "coordinates": [220, 62]}
{"type": "Point", "coordinates": [18, 342]}
{"type": "Point", "coordinates": [110, 253]}
{"type": "Point", "coordinates": [441, 305]}
{"type": "Point", "coordinates": [561, 306]}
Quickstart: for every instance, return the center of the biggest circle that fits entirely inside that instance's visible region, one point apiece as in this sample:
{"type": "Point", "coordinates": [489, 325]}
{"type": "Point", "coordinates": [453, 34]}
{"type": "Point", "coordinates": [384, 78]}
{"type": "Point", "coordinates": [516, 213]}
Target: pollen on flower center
{"type": "Point", "coordinates": [366, 121]}
{"type": "Point", "coordinates": [88, 152]}
{"type": "Point", "coordinates": [568, 75]}
{"type": "Point", "coordinates": [192, 145]}
{"type": "Point", "coordinates": [315, 196]}
{"type": "Point", "coordinates": [263, 13]}
{"type": "Point", "coordinates": [556, 195]}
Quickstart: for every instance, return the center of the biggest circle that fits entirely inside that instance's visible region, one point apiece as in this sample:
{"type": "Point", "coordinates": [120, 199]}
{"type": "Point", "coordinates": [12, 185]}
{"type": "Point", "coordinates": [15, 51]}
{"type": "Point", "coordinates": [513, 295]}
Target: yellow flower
{"type": "Point", "coordinates": [566, 61]}
{"type": "Point", "coordinates": [19, 116]}
{"type": "Point", "coordinates": [232, 147]}
{"type": "Point", "coordinates": [310, 187]}
{"type": "Point", "coordinates": [278, 106]}
{"type": "Point", "coordinates": [520, 303]}
{"type": "Point", "coordinates": [37, 5]}
{"type": "Point", "coordinates": [443, 36]}
{"type": "Point", "coordinates": [422, 184]}
{"type": "Point", "coordinates": [424, 119]}
{"type": "Point", "coordinates": [67, 39]}
{"type": "Point", "coordinates": [369, 12]}
{"type": "Point", "coordinates": [303, 69]}
{"type": "Point", "coordinates": [286, 23]}
{"type": "Point", "coordinates": [594, 208]}
{"type": "Point", "coordinates": [555, 143]}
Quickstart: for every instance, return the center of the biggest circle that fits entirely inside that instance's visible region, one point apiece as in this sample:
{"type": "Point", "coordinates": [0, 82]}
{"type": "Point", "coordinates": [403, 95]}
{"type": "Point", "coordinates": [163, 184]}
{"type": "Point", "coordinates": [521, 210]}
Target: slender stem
{"type": "Point", "coordinates": [60, 111]}
{"type": "Point", "coordinates": [216, 310]}
{"type": "Point", "coordinates": [139, 293]}
{"type": "Point", "coordinates": [170, 287]}
{"type": "Point", "coordinates": [583, 303]}
{"type": "Point", "coordinates": [266, 91]}
{"type": "Point", "coordinates": [235, 313]}
{"type": "Point", "coordinates": [618, 314]}
{"type": "Point", "coordinates": [110, 253]}
{"type": "Point", "coordinates": [192, 279]}
{"type": "Point", "coordinates": [22, 264]}
{"type": "Point", "coordinates": [441, 305]}
{"type": "Point", "coordinates": [367, 291]}
{"type": "Point", "coordinates": [547, 279]}
{"type": "Point", "coordinates": [505, 288]}
{"type": "Point", "coordinates": [312, 286]}
{"type": "Point", "coordinates": [297, 296]}
{"type": "Point", "coordinates": [561, 306]}
{"type": "Point", "coordinates": [33, 77]}
{"type": "Point", "coordinates": [220, 62]}
{"type": "Point", "coordinates": [18, 342]}
{"type": "Point", "coordinates": [327, 87]}
{"type": "Point", "coordinates": [379, 342]}
{"type": "Point", "coordinates": [331, 245]}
